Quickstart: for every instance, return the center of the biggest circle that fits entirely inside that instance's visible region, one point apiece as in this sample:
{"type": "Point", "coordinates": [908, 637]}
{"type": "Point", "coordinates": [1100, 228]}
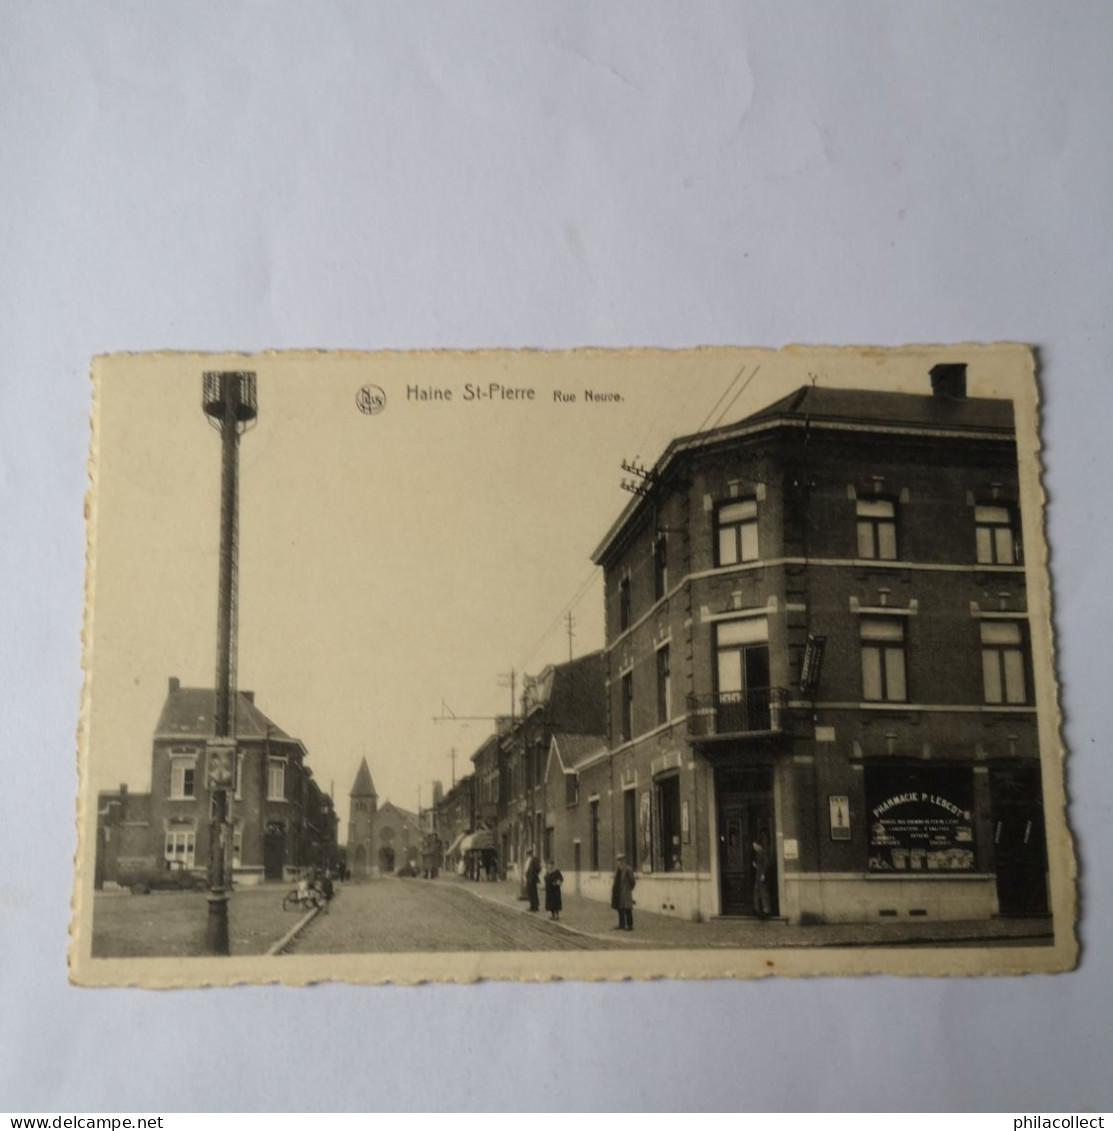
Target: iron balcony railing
{"type": "Point", "coordinates": [758, 711]}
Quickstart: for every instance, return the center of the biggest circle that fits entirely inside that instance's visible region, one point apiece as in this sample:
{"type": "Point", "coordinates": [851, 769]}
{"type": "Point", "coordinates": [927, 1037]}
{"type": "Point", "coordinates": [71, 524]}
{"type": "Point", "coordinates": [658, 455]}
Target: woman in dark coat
{"type": "Point", "coordinates": [553, 901]}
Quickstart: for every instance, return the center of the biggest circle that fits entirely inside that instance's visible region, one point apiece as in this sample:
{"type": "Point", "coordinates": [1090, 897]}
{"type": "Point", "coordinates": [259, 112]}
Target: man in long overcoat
{"type": "Point", "coordinates": [533, 878]}
{"type": "Point", "coordinates": [622, 893]}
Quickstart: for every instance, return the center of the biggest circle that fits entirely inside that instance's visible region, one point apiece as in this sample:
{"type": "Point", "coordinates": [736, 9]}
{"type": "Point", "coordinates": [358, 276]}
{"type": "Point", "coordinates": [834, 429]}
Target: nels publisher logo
{"type": "Point", "coordinates": [371, 400]}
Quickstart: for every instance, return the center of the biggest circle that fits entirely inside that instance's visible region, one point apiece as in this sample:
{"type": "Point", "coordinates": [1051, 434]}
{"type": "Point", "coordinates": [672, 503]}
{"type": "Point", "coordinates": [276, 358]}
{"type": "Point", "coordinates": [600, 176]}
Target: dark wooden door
{"type": "Point", "coordinates": [745, 814]}
{"type": "Point", "coordinates": [1019, 845]}
{"type": "Point", "coordinates": [274, 851]}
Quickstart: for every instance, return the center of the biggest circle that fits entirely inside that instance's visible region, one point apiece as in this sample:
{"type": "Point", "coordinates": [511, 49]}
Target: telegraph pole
{"type": "Point", "coordinates": [228, 400]}
{"type": "Point", "coordinates": [570, 620]}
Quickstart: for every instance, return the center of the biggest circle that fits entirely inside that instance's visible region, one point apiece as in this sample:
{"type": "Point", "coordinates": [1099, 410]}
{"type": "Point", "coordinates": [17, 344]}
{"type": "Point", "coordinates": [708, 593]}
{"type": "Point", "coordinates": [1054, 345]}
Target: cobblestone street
{"type": "Point", "coordinates": [393, 915]}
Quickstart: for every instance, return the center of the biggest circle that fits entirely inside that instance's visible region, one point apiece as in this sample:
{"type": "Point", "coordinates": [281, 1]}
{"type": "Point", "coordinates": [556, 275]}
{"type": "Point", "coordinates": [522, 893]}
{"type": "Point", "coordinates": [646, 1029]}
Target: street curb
{"type": "Point", "coordinates": [811, 945]}
{"type": "Point", "coordinates": [559, 925]}
{"type": "Point", "coordinates": [293, 932]}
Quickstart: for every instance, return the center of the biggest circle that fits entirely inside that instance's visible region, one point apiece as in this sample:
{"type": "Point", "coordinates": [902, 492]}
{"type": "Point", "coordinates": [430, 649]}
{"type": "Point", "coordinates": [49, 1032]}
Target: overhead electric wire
{"type": "Point", "coordinates": [745, 386]}
{"type": "Point", "coordinates": [722, 397]}
{"type": "Point", "coordinates": [586, 584]}
{"type": "Point", "coordinates": [580, 594]}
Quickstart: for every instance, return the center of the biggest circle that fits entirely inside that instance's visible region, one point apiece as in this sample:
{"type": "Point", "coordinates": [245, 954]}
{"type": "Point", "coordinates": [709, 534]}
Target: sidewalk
{"type": "Point", "coordinates": [595, 919]}
{"type": "Point", "coordinates": [173, 924]}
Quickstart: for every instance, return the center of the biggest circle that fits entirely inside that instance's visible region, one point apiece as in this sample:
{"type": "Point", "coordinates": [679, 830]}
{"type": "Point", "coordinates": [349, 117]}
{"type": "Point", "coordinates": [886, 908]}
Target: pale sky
{"type": "Point", "coordinates": [389, 562]}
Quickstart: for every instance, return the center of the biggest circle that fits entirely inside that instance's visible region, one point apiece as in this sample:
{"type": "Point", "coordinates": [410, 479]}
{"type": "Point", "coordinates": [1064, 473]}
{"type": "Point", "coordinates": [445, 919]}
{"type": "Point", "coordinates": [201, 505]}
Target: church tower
{"type": "Point", "coordinates": [363, 806]}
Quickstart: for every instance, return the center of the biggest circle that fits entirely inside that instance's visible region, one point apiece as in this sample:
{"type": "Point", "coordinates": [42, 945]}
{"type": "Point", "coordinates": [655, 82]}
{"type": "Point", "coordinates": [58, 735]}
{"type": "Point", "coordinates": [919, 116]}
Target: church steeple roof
{"type": "Point", "coordinates": [364, 786]}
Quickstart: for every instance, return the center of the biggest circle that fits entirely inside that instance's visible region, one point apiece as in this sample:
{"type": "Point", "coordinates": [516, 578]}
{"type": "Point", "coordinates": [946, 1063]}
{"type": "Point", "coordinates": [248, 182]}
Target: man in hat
{"type": "Point", "coordinates": [622, 893]}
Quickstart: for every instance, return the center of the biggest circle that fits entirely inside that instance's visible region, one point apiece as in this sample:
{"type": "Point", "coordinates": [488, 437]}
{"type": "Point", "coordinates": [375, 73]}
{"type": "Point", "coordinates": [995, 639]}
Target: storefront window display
{"type": "Point", "coordinates": [920, 819]}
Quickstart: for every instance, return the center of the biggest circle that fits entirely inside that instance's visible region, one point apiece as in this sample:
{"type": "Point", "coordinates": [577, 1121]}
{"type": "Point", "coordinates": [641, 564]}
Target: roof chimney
{"type": "Point", "coordinates": [175, 684]}
{"type": "Point", "coordinates": [949, 380]}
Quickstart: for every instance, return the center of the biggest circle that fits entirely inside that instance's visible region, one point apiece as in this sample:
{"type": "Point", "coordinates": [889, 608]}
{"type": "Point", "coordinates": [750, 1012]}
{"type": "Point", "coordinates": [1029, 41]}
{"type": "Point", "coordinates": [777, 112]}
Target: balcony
{"type": "Point", "coordinates": [732, 714]}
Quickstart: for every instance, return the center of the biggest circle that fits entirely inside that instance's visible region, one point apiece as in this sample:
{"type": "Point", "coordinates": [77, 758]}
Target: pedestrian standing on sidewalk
{"type": "Point", "coordinates": [533, 878]}
{"type": "Point", "coordinates": [622, 893]}
{"type": "Point", "coordinates": [762, 904]}
{"type": "Point", "coordinates": [553, 901]}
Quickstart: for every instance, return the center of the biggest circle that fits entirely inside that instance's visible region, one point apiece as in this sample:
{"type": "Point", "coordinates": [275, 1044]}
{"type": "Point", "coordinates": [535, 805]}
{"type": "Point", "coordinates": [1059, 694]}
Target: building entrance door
{"type": "Point", "coordinates": [1019, 846]}
{"type": "Point", "coordinates": [274, 850]}
{"type": "Point", "coordinates": [744, 801]}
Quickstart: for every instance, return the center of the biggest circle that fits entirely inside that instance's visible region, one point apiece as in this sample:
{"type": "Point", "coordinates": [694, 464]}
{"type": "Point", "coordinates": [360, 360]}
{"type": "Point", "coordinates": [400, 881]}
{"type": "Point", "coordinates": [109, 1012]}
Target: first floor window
{"type": "Point", "coordinates": [627, 706]}
{"type": "Point", "coordinates": [180, 846]}
{"type": "Point", "coordinates": [1003, 662]}
{"type": "Point", "coordinates": [183, 777]}
{"type": "Point", "coordinates": [664, 684]}
{"type": "Point", "coordinates": [237, 846]}
{"type": "Point", "coordinates": [742, 675]}
{"type": "Point", "coordinates": [883, 672]}
{"type": "Point", "coordinates": [276, 780]}
{"type": "Point", "coordinates": [995, 537]}
{"type": "Point", "coordinates": [624, 604]}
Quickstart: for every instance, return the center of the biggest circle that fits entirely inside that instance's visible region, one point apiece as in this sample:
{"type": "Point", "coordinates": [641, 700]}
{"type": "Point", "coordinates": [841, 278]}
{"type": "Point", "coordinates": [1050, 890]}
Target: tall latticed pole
{"type": "Point", "coordinates": [229, 401]}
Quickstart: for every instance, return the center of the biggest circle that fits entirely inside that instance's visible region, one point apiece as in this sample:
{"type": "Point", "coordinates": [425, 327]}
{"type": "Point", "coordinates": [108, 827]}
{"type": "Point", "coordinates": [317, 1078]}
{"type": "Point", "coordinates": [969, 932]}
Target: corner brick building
{"type": "Point", "coordinates": [817, 643]}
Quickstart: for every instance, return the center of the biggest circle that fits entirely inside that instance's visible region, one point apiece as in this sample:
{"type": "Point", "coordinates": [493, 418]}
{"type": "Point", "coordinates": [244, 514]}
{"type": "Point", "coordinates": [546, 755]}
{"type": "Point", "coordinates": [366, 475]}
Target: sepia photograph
{"type": "Point", "coordinates": [593, 664]}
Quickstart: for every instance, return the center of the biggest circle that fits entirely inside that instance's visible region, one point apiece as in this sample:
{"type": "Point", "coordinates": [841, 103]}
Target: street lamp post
{"type": "Point", "coordinates": [229, 402]}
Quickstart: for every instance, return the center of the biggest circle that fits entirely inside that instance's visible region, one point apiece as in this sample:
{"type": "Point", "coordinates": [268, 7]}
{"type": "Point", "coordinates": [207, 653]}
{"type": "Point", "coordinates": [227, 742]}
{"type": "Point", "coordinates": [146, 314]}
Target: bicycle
{"type": "Point", "coordinates": [304, 899]}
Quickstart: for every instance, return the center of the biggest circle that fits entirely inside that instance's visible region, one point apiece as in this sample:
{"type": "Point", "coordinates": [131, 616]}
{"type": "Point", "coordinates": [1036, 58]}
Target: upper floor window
{"type": "Point", "coordinates": [664, 684]}
{"type": "Point", "coordinates": [883, 670]}
{"type": "Point", "coordinates": [237, 785]}
{"type": "Point", "coordinates": [627, 706]}
{"type": "Point", "coordinates": [995, 536]}
{"type": "Point", "coordinates": [877, 529]}
{"type": "Point", "coordinates": [276, 780]}
{"type": "Point", "coordinates": [593, 836]}
{"type": "Point", "coordinates": [624, 604]}
{"type": "Point", "coordinates": [183, 777]}
{"type": "Point", "coordinates": [736, 530]}
{"type": "Point", "coordinates": [571, 789]}
{"type": "Point", "coordinates": [1003, 662]}
{"type": "Point", "coordinates": [660, 567]}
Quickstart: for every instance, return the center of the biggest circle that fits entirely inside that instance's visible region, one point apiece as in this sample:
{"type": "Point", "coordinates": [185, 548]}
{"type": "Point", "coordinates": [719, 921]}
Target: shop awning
{"type": "Point", "coordinates": [478, 841]}
{"type": "Point", "coordinates": [456, 844]}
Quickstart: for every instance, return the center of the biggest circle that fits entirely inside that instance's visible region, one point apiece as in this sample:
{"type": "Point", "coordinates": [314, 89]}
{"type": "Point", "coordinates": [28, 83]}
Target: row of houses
{"type": "Point", "coordinates": [817, 652]}
{"type": "Point", "coordinates": [281, 820]}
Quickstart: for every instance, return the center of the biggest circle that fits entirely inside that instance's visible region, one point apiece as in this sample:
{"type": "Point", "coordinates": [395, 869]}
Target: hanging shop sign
{"type": "Point", "coordinates": [920, 820]}
{"type": "Point", "coordinates": [839, 805]}
{"type": "Point", "coordinates": [812, 664]}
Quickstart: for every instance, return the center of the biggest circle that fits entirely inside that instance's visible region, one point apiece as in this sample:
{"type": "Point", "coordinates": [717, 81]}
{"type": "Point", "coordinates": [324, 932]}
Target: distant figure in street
{"type": "Point", "coordinates": [553, 901]}
{"type": "Point", "coordinates": [533, 878]}
{"type": "Point", "coordinates": [762, 904]}
{"type": "Point", "coordinates": [622, 893]}
{"type": "Point", "coordinates": [324, 885]}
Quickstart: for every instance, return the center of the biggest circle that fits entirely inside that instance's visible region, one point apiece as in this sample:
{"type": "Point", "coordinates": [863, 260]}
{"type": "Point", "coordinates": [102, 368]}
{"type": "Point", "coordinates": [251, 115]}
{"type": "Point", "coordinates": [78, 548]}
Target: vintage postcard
{"type": "Point", "coordinates": [591, 664]}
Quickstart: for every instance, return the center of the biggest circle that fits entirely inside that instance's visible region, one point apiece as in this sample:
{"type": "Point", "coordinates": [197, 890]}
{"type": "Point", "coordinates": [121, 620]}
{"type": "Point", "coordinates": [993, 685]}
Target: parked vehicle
{"type": "Point", "coordinates": [162, 875]}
